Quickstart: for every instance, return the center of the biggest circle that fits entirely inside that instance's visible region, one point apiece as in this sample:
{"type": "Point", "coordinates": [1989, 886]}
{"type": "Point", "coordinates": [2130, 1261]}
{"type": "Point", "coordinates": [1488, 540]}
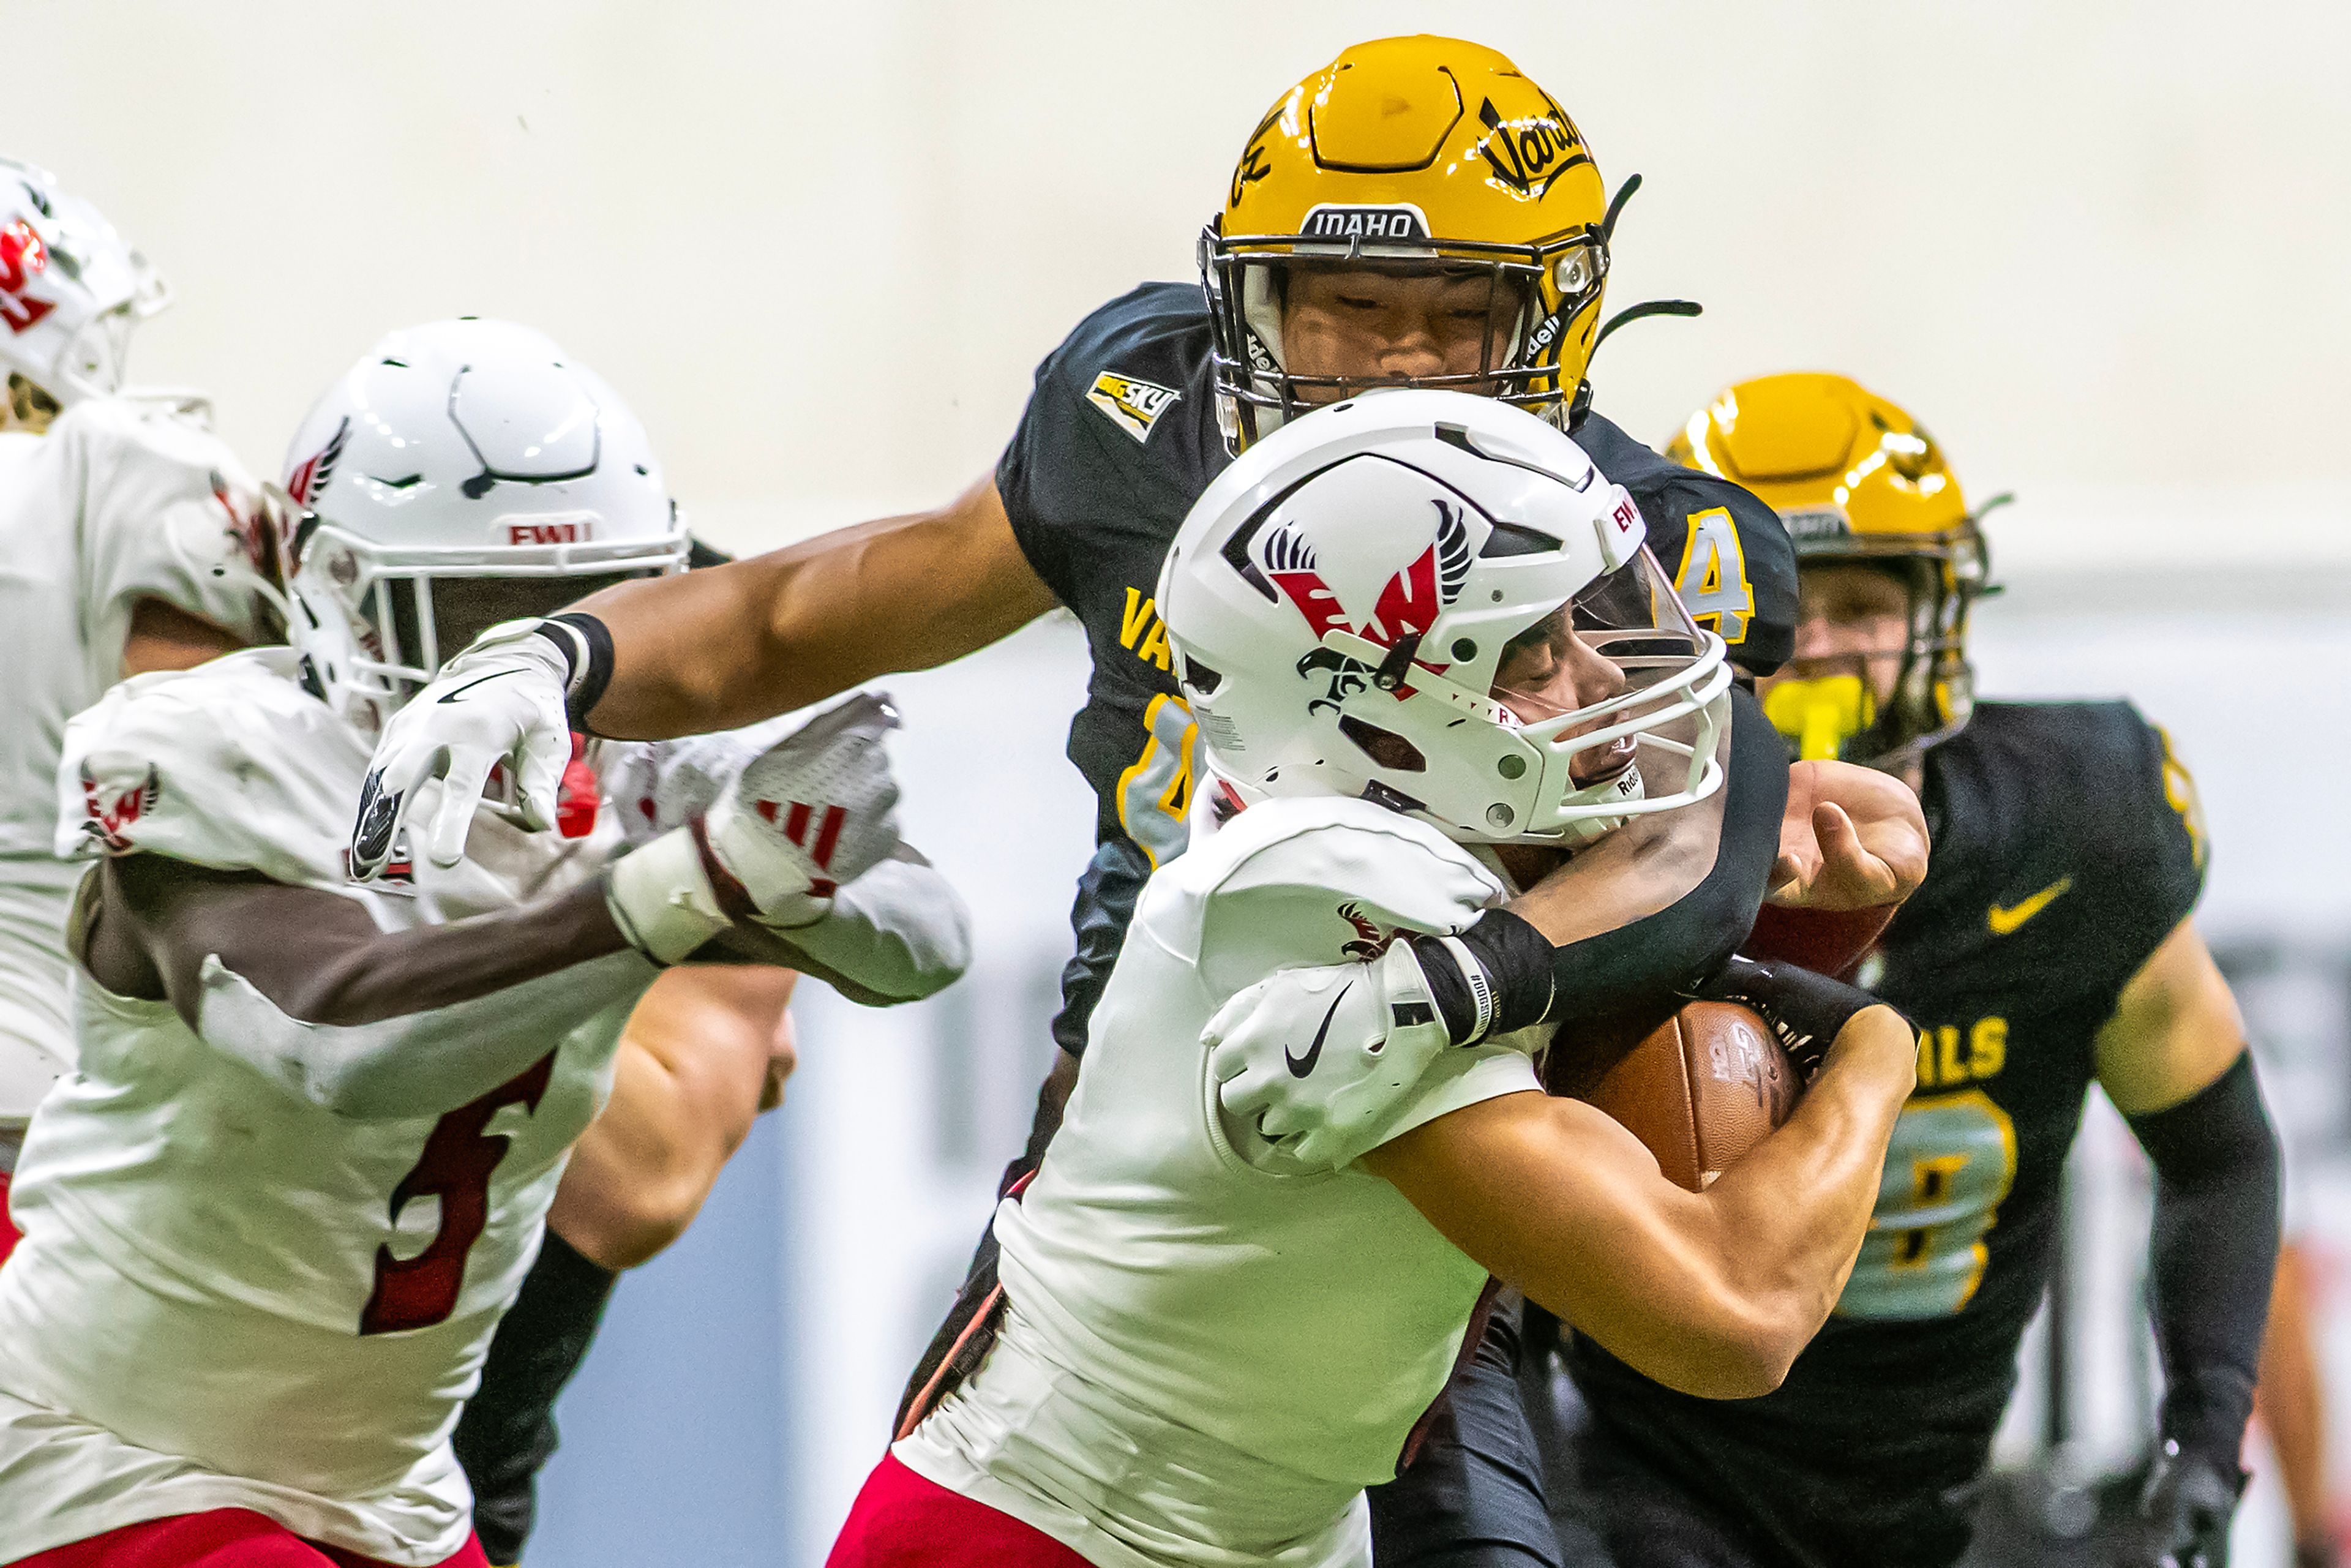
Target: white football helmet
{"type": "Point", "coordinates": [70, 288]}
{"type": "Point", "coordinates": [1437, 601]}
{"type": "Point", "coordinates": [462, 473]}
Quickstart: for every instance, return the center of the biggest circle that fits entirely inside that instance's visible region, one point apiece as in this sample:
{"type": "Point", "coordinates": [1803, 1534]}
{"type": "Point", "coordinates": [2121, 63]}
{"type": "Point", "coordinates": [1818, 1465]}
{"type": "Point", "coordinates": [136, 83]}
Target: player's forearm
{"type": "Point", "coordinates": [1699, 874]}
{"type": "Point", "coordinates": [727, 646]}
{"type": "Point", "coordinates": [302, 986]}
{"type": "Point", "coordinates": [898, 934]}
{"type": "Point", "coordinates": [2212, 1257]}
{"type": "Point", "coordinates": [696, 652]}
{"type": "Point", "coordinates": [1788, 1220]}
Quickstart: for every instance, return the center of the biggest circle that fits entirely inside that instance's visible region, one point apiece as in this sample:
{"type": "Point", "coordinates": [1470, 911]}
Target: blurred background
{"type": "Point", "coordinates": [2097, 248]}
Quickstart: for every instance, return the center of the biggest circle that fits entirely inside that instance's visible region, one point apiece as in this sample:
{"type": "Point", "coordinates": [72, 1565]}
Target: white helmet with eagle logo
{"type": "Point", "coordinates": [71, 288]}
{"type": "Point", "coordinates": [463, 474]}
{"type": "Point", "coordinates": [1362, 602]}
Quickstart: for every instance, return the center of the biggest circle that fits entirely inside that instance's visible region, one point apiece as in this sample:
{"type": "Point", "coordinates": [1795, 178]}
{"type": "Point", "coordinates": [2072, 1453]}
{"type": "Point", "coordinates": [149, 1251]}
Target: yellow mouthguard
{"type": "Point", "coordinates": [1820, 715]}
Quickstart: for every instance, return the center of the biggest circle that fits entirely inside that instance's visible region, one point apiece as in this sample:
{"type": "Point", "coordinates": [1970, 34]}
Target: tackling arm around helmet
{"type": "Point", "coordinates": [1634, 920]}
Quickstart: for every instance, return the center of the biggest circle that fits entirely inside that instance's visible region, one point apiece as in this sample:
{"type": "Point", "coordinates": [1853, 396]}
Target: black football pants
{"type": "Point", "coordinates": [507, 1433]}
{"type": "Point", "coordinates": [1473, 1495]}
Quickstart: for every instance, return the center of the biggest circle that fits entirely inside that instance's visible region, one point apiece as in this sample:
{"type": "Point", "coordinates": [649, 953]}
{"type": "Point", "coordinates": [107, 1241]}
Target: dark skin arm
{"type": "Point", "coordinates": [165, 637]}
{"type": "Point", "coordinates": [145, 926]}
{"type": "Point", "coordinates": [733, 644]}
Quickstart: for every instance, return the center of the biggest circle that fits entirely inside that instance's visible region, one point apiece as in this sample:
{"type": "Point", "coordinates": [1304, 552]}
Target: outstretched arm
{"type": "Point", "coordinates": [1712, 1294]}
{"type": "Point", "coordinates": [724, 647]}
{"type": "Point", "coordinates": [708, 650]}
{"type": "Point", "coordinates": [362, 1022]}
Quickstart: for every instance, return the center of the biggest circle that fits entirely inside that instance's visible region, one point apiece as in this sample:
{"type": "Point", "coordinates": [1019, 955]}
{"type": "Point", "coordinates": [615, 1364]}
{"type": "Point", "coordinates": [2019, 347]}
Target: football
{"type": "Point", "coordinates": [1700, 1089]}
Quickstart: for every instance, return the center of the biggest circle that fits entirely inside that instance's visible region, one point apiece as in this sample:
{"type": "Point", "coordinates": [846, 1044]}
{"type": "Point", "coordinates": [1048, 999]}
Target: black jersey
{"type": "Point", "coordinates": [2067, 847]}
{"type": "Point", "coordinates": [1119, 439]}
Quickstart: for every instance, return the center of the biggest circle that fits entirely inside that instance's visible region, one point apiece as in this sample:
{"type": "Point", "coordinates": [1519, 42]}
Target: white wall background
{"type": "Point", "coordinates": [2097, 247]}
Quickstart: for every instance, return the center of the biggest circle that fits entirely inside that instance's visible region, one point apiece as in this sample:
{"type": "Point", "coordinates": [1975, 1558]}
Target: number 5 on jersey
{"type": "Point", "coordinates": [417, 1292]}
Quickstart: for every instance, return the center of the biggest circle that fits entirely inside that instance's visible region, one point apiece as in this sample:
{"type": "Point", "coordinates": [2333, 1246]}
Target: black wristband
{"type": "Point", "coordinates": [1516, 961]}
{"type": "Point", "coordinates": [585, 685]}
{"type": "Point", "coordinates": [1806, 1010]}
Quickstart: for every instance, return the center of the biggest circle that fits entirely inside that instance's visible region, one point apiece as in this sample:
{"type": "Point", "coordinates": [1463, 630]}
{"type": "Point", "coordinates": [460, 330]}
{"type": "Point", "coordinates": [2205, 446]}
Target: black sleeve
{"type": "Point", "coordinates": [1645, 966]}
{"type": "Point", "coordinates": [2211, 1258]}
{"type": "Point", "coordinates": [1074, 479]}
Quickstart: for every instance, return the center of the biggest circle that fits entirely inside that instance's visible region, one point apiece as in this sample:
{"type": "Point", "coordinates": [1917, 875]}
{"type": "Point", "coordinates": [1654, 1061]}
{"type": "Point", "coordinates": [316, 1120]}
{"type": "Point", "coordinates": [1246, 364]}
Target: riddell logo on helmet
{"type": "Point", "coordinates": [1400, 221]}
{"type": "Point", "coordinates": [576, 532]}
{"type": "Point", "coordinates": [22, 254]}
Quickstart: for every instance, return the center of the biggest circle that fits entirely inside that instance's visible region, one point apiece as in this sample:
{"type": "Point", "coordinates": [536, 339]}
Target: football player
{"type": "Point", "coordinates": [132, 539]}
{"type": "Point", "coordinates": [273, 1217]}
{"type": "Point", "coordinates": [1205, 1348]}
{"type": "Point", "coordinates": [2051, 947]}
{"type": "Point", "coordinates": [1416, 214]}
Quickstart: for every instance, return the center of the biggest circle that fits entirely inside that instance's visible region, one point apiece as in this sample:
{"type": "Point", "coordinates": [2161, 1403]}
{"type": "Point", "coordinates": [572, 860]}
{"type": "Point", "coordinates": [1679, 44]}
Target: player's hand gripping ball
{"type": "Point", "coordinates": [1315, 1061]}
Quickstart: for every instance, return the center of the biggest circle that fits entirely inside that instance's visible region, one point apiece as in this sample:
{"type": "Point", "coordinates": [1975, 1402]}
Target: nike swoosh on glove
{"type": "Point", "coordinates": [1316, 1060]}
{"type": "Point", "coordinates": [501, 700]}
{"type": "Point", "coordinates": [815, 810]}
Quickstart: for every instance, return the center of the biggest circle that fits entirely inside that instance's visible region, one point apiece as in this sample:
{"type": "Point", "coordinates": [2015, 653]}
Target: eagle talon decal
{"type": "Point", "coordinates": [1369, 941]}
{"type": "Point", "coordinates": [107, 819]}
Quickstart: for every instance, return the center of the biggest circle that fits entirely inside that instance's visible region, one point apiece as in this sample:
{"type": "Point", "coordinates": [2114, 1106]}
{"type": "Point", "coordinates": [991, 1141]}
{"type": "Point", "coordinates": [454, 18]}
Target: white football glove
{"type": "Point", "coordinates": [501, 700]}
{"type": "Point", "coordinates": [1319, 1059]}
{"type": "Point", "coordinates": [814, 810]}
{"type": "Point", "coordinates": [657, 785]}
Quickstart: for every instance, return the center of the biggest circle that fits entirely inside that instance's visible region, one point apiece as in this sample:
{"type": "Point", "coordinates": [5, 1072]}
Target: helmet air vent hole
{"type": "Point", "coordinates": [1464, 650]}
{"type": "Point", "coordinates": [1389, 749]}
{"type": "Point", "coordinates": [1511, 767]}
{"type": "Point", "coordinates": [1201, 678]}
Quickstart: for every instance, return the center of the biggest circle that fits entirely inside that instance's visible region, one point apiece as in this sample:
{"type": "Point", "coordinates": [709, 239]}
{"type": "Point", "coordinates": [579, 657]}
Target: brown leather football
{"type": "Point", "coordinates": [1701, 1090]}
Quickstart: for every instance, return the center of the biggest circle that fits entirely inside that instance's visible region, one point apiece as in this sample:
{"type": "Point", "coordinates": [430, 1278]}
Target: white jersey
{"type": "Point", "coordinates": [227, 1297]}
{"type": "Point", "coordinates": [118, 502]}
{"type": "Point", "coordinates": [1203, 1363]}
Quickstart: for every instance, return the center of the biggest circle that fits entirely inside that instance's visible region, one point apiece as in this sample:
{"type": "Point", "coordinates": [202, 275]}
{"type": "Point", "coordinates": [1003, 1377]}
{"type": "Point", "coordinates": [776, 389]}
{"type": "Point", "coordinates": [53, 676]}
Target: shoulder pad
{"type": "Point", "coordinates": [1327, 872]}
{"type": "Point", "coordinates": [230, 765]}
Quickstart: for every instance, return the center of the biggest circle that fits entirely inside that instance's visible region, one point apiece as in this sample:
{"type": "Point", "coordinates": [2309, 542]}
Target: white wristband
{"type": "Point", "coordinates": [1481, 987]}
{"type": "Point", "coordinates": [662, 899]}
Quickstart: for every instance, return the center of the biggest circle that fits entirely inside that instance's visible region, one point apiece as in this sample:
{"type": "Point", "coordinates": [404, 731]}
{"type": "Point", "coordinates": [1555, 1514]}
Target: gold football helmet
{"type": "Point", "coordinates": [1411, 153]}
{"type": "Point", "coordinates": [1855, 479]}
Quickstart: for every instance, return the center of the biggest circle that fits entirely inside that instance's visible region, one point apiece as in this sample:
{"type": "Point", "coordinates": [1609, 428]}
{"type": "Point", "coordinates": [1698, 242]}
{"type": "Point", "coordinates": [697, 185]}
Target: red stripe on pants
{"type": "Point", "coordinates": [217, 1538]}
{"type": "Point", "coordinates": [9, 1234]}
{"type": "Point", "coordinates": [903, 1520]}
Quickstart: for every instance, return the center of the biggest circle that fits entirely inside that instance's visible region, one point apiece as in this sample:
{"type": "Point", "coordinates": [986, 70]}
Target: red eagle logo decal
{"type": "Point", "coordinates": [1369, 941]}
{"type": "Point", "coordinates": [22, 254]}
{"type": "Point", "coordinates": [311, 476]}
{"type": "Point", "coordinates": [105, 821]}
